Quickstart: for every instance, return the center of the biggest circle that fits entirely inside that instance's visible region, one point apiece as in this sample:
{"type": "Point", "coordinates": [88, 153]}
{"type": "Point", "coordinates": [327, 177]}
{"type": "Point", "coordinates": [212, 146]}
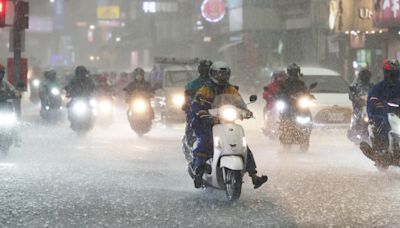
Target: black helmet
{"type": "Point", "coordinates": [293, 70]}
{"type": "Point", "coordinates": [138, 71]}
{"type": "Point", "coordinates": [364, 76]}
{"type": "Point", "coordinates": [204, 68]}
{"type": "Point", "coordinates": [81, 71]}
{"type": "Point", "coordinates": [220, 73]}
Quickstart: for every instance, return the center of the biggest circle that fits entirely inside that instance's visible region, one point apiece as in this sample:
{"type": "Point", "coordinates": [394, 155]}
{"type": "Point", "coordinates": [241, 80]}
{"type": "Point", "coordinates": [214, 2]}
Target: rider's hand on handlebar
{"type": "Point", "coordinates": [203, 113]}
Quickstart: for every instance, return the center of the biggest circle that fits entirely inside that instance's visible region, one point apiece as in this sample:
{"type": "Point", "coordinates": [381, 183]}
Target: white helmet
{"type": "Point", "coordinates": [220, 73]}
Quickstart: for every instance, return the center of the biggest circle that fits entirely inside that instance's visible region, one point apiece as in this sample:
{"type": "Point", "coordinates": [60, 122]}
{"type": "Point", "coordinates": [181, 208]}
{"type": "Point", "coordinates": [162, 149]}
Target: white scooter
{"type": "Point", "coordinates": [385, 157]}
{"type": "Point", "coordinates": [226, 168]}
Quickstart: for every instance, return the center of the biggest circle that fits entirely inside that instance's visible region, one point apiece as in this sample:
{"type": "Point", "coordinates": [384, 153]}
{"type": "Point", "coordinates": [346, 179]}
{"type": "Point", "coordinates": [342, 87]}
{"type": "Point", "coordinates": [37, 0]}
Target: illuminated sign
{"type": "Point", "coordinates": [108, 12]}
{"type": "Point", "coordinates": [213, 10]}
{"type": "Point", "coordinates": [387, 13]}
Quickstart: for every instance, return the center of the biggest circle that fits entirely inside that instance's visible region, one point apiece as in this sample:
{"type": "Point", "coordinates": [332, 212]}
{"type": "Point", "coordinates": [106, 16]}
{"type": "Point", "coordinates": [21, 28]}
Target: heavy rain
{"type": "Point", "coordinates": [199, 113]}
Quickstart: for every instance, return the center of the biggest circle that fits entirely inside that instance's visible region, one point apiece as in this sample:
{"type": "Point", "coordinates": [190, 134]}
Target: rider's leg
{"type": "Point", "coordinates": [251, 168]}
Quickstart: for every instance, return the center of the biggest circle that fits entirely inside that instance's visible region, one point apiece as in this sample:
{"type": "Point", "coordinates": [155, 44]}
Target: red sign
{"type": "Point", "coordinates": [387, 13]}
{"type": "Point", "coordinates": [213, 10]}
{"type": "Point", "coordinates": [24, 72]}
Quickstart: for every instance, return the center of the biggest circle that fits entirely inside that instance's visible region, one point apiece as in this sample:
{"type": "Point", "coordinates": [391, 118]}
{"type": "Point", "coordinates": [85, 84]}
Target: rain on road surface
{"type": "Point", "coordinates": [112, 178]}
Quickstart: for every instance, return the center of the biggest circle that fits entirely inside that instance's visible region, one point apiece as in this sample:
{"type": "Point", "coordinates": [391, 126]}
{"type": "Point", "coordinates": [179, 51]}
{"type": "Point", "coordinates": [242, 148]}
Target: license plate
{"type": "Point", "coordinates": [336, 117]}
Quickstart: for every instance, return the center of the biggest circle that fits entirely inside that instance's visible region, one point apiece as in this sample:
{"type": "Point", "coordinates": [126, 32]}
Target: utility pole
{"type": "Point", "coordinates": [21, 22]}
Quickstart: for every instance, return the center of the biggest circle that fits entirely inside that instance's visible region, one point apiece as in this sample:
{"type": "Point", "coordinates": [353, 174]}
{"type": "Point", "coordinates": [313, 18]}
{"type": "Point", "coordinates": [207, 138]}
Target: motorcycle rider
{"type": "Point", "coordinates": [357, 90]}
{"type": "Point", "coordinates": [103, 88]}
{"type": "Point", "coordinates": [217, 85]}
{"type": "Point", "coordinates": [50, 81]}
{"type": "Point", "coordinates": [139, 83]}
{"type": "Point", "coordinates": [81, 85]}
{"type": "Point", "coordinates": [190, 91]}
{"type": "Point", "coordinates": [387, 90]}
{"type": "Point", "coordinates": [6, 89]}
{"type": "Point", "coordinates": [293, 85]}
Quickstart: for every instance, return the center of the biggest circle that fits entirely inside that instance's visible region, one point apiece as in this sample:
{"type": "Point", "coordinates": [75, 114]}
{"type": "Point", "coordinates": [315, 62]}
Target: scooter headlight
{"type": "Point", "coordinates": [178, 100]}
{"type": "Point", "coordinates": [105, 106]}
{"type": "Point", "coordinates": [280, 106]}
{"type": "Point", "coordinates": [7, 119]}
{"type": "Point", "coordinates": [139, 106]}
{"type": "Point", "coordinates": [80, 108]}
{"type": "Point", "coordinates": [305, 102]}
{"type": "Point", "coordinates": [303, 120]}
{"type": "Point", "coordinates": [55, 91]}
{"type": "Point", "coordinates": [36, 83]}
{"type": "Point", "coordinates": [93, 102]}
{"type": "Point", "coordinates": [366, 119]}
{"type": "Point", "coordinates": [229, 114]}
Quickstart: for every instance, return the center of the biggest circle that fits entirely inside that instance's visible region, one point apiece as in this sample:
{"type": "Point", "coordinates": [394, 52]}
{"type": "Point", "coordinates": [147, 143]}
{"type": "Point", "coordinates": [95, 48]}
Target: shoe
{"type": "Point", "coordinates": [198, 177]}
{"type": "Point", "coordinates": [258, 181]}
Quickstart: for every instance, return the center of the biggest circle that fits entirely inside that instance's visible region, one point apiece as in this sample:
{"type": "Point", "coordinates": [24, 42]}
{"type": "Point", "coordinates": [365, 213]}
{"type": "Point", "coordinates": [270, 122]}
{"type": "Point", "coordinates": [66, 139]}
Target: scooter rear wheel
{"type": "Point", "coordinates": [233, 184]}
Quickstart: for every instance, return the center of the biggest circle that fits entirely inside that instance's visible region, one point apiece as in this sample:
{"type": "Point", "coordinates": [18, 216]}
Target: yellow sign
{"type": "Point", "coordinates": [108, 12]}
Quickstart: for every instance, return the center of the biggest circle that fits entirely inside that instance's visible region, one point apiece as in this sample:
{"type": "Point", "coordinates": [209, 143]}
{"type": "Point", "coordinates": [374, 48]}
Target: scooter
{"type": "Point", "coordinates": [295, 122]}
{"type": "Point", "coordinates": [226, 168]}
{"type": "Point", "coordinates": [390, 156]}
{"type": "Point", "coordinates": [140, 114]}
{"type": "Point", "coordinates": [52, 105]}
{"type": "Point", "coordinates": [81, 114]}
{"type": "Point", "coordinates": [8, 122]}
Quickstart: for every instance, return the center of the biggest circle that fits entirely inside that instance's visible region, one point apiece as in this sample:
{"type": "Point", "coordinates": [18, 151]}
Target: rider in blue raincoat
{"type": "Point", "coordinates": [387, 90]}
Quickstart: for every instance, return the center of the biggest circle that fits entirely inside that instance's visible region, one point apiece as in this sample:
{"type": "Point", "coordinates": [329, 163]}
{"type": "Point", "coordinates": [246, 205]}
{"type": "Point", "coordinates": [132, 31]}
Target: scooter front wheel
{"type": "Point", "coordinates": [233, 184]}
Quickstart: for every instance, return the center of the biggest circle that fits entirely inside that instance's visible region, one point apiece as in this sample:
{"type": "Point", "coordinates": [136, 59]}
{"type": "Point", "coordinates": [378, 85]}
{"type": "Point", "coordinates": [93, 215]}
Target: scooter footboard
{"type": "Point", "coordinates": [232, 162]}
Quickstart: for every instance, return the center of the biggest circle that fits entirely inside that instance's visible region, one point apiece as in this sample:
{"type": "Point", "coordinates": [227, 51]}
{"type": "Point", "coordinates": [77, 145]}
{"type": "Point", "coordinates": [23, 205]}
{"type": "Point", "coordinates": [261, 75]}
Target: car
{"type": "Point", "coordinates": [332, 106]}
{"type": "Point", "coordinates": [170, 79]}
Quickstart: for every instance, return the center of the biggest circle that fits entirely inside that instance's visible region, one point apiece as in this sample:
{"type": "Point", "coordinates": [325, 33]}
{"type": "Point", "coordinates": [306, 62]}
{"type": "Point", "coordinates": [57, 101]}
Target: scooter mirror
{"type": "Point", "coordinates": [253, 98]}
{"type": "Point", "coordinates": [313, 85]}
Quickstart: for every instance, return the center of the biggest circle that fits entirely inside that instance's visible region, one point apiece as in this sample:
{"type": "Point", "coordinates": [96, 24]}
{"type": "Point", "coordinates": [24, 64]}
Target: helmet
{"type": "Point", "coordinates": [278, 74]}
{"type": "Point", "coordinates": [364, 76]}
{"type": "Point", "coordinates": [81, 71]}
{"type": "Point", "coordinates": [293, 70]}
{"type": "Point", "coordinates": [391, 69]}
{"type": "Point", "coordinates": [138, 71]}
{"type": "Point", "coordinates": [220, 73]}
{"type": "Point", "coordinates": [50, 75]}
{"type": "Point", "coordinates": [204, 67]}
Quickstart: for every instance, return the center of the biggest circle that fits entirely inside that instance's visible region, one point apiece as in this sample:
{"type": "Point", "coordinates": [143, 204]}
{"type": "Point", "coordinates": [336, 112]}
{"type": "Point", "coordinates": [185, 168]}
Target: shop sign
{"type": "Point", "coordinates": [387, 13]}
{"type": "Point", "coordinates": [213, 10]}
{"type": "Point", "coordinates": [108, 12]}
{"type": "Point", "coordinates": [351, 15]}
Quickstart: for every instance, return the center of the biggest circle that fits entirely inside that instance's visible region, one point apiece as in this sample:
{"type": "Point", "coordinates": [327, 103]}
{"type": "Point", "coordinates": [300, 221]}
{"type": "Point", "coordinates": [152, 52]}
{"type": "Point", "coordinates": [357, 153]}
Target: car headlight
{"type": "Point", "coordinates": [55, 91]}
{"type": "Point", "coordinates": [105, 106]}
{"type": "Point", "coordinates": [7, 119]}
{"type": "Point", "coordinates": [36, 83]}
{"type": "Point", "coordinates": [229, 114]}
{"type": "Point", "coordinates": [305, 102]}
{"type": "Point", "coordinates": [178, 100]}
{"type": "Point", "coordinates": [80, 108]}
{"type": "Point", "coordinates": [303, 120]}
{"type": "Point", "coordinates": [139, 106]}
{"type": "Point", "coordinates": [280, 106]}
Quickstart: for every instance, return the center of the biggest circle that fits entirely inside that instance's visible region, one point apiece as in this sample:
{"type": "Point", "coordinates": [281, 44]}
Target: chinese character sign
{"type": "Point", "coordinates": [387, 13]}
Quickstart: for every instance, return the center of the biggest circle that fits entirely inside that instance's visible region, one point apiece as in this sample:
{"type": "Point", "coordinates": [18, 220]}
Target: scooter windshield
{"type": "Point", "coordinates": [229, 99]}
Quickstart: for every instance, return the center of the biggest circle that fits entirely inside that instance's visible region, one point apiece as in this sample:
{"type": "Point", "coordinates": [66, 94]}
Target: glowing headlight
{"type": "Point", "coordinates": [178, 100]}
{"type": "Point", "coordinates": [366, 119]}
{"type": "Point", "coordinates": [93, 102]}
{"type": "Point", "coordinates": [305, 102]}
{"type": "Point", "coordinates": [7, 119]}
{"type": "Point", "coordinates": [55, 91]}
{"type": "Point", "coordinates": [80, 108]}
{"type": "Point", "coordinates": [139, 106]}
{"type": "Point", "coordinates": [303, 120]}
{"type": "Point", "coordinates": [36, 82]}
{"type": "Point", "coordinates": [105, 106]}
{"type": "Point", "coordinates": [229, 114]}
{"type": "Point", "coordinates": [280, 105]}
